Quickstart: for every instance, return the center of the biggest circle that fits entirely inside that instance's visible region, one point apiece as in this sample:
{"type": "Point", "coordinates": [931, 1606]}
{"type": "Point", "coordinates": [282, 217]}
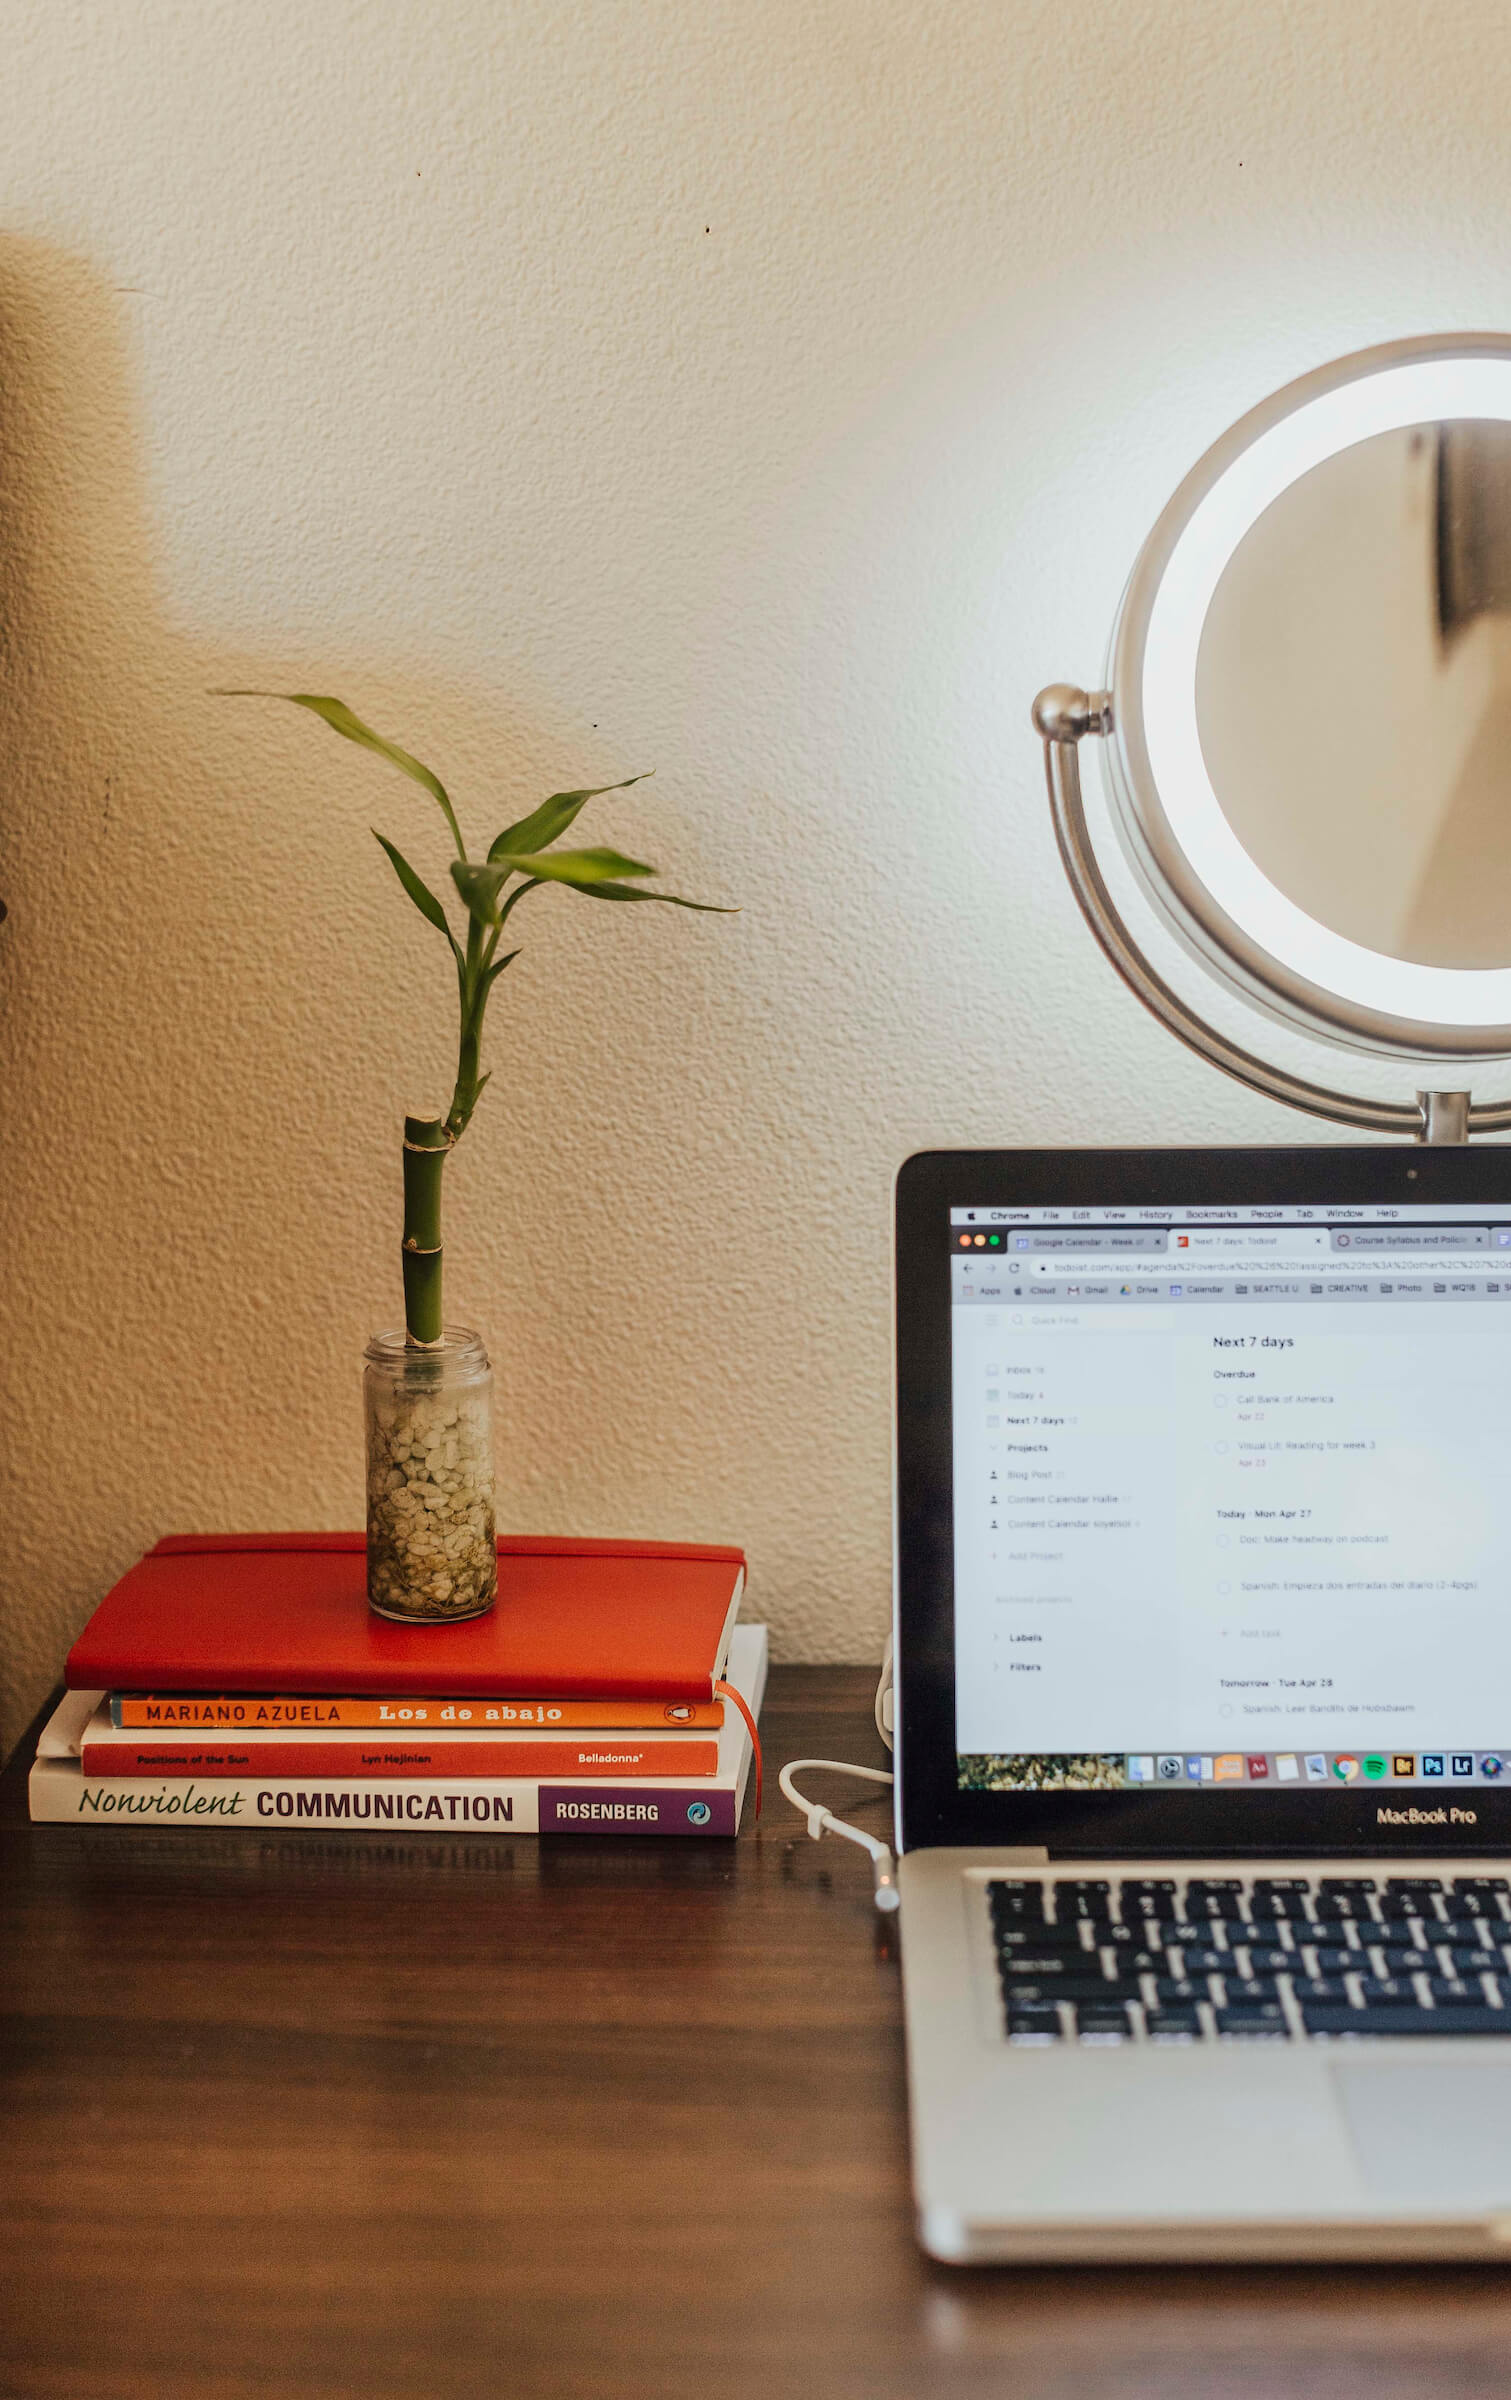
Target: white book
{"type": "Point", "coordinates": [60, 1793]}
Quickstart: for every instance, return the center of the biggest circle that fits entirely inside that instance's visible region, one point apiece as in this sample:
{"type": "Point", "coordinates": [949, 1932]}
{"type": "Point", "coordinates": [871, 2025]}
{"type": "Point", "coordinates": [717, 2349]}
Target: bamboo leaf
{"type": "Point", "coordinates": [420, 893]}
{"type": "Point", "coordinates": [480, 886]}
{"type": "Point", "coordinates": [498, 967]}
{"type": "Point", "coordinates": [344, 721]}
{"type": "Point", "coordinates": [573, 866]}
{"type": "Point", "coordinates": [598, 873]}
{"type": "Point", "coordinates": [629, 891]}
{"type": "Point", "coordinates": [549, 822]}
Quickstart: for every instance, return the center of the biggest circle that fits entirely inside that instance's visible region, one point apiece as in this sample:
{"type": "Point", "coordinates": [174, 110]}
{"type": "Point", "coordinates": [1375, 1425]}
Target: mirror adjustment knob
{"type": "Point", "coordinates": [1064, 713]}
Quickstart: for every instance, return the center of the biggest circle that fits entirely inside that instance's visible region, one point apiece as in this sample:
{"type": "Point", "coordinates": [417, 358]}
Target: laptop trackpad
{"type": "Point", "coordinates": [1436, 2133]}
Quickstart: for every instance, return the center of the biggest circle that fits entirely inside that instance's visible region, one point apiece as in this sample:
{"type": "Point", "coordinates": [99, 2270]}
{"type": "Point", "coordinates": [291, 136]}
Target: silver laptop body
{"type": "Point", "coordinates": [1203, 1645]}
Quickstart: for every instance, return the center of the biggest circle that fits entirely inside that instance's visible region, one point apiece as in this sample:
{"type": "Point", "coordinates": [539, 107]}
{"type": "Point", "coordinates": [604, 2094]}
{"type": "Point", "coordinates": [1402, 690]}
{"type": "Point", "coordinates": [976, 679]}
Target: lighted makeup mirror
{"type": "Point", "coordinates": [1307, 728]}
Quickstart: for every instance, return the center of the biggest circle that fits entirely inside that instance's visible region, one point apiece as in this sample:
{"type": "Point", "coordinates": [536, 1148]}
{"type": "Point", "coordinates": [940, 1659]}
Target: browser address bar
{"type": "Point", "coordinates": [1263, 1263]}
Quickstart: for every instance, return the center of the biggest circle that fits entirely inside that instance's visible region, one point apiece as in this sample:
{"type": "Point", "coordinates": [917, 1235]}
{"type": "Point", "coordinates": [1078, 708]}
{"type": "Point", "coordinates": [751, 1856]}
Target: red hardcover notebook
{"type": "Point", "coordinates": [287, 1612]}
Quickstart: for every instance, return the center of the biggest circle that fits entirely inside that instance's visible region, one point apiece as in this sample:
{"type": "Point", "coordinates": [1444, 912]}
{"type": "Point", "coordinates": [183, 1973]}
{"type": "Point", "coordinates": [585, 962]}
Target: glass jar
{"type": "Point", "coordinates": [431, 1554]}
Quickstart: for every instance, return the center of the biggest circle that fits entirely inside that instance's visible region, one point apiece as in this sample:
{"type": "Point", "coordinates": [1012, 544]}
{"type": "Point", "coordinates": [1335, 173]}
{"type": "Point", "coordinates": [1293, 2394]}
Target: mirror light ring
{"type": "Point", "coordinates": [1385, 393]}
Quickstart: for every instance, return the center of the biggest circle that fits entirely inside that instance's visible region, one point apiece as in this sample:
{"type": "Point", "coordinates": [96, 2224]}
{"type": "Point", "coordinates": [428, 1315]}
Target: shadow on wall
{"type": "Point", "coordinates": [194, 930]}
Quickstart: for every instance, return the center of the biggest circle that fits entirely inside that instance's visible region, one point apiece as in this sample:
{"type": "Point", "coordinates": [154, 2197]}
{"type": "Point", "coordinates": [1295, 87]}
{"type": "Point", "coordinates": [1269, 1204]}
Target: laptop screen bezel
{"type": "Point", "coordinates": [931, 1809]}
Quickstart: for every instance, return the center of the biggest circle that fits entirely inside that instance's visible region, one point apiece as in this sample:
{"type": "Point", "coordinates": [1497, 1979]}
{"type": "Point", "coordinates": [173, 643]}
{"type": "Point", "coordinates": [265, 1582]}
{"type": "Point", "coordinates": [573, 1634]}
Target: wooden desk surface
{"type": "Point", "coordinates": [311, 2117]}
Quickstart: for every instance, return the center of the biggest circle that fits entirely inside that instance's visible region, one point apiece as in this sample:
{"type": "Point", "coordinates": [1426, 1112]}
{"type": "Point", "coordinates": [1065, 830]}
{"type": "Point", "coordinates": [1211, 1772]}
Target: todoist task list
{"type": "Point", "coordinates": [1210, 1526]}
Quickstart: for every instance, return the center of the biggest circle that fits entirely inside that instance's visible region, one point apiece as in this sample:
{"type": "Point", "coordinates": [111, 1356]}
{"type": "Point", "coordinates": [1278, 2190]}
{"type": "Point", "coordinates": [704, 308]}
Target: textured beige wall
{"type": "Point", "coordinates": [774, 394]}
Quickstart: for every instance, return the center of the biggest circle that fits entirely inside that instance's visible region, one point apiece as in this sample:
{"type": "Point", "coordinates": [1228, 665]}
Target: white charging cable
{"type": "Point", "coordinates": [822, 1820]}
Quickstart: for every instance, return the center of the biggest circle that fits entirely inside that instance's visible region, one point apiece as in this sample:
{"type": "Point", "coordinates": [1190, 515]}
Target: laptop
{"type": "Point", "coordinates": [1203, 1708]}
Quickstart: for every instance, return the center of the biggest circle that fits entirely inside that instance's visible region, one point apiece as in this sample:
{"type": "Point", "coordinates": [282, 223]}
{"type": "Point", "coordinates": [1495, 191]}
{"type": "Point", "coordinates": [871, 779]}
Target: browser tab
{"type": "Point", "coordinates": [1101, 1238]}
{"type": "Point", "coordinates": [1411, 1237]}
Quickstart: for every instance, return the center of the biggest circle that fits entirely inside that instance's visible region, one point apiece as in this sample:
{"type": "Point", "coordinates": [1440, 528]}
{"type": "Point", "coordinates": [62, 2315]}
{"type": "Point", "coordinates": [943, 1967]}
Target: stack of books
{"type": "Point", "coordinates": [243, 1680]}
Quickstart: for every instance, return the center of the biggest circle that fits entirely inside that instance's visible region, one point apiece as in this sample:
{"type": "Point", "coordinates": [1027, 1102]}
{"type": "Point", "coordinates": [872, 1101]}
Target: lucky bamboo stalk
{"type": "Point", "coordinates": [522, 855]}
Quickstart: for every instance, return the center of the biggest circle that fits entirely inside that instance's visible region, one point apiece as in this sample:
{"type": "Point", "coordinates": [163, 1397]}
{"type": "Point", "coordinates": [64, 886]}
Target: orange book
{"type": "Point", "coordinates": [272, 1751]}
{"type": "Point", "coordinates": [229, 1713]}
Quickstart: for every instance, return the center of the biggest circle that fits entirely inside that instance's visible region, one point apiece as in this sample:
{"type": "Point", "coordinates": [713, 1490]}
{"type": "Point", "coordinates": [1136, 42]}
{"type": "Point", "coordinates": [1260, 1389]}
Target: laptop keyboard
{"type": "Point", "coordinates": [1264, 1959]}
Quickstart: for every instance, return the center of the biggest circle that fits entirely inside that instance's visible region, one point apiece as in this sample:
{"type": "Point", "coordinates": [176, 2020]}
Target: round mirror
{"type": "Point", "coordinates": [1311, 702]}
{"type": "Point", "coordinates": [1353, 693]}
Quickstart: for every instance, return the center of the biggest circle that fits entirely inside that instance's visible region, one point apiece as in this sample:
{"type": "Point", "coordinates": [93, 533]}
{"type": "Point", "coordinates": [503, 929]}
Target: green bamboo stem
{"type": "Point", "coordinates": [426, 1144]}
{"type": "Point", "coordinates": [468, 1084]}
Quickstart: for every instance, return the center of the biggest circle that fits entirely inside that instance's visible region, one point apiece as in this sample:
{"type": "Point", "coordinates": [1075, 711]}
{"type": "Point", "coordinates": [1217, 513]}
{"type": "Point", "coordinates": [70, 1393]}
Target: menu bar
{"type": "Point", "coordinates": [1377, 1213]}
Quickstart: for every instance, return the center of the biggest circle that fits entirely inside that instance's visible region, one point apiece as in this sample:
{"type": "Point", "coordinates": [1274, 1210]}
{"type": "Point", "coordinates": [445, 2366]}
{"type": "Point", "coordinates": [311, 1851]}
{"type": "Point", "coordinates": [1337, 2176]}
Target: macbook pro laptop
{"type": "Point", "coordinates": [1203, 1647]}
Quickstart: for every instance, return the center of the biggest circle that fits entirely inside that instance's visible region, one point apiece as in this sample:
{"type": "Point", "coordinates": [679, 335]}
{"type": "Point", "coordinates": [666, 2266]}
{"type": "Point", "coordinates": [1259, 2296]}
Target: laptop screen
{"type": "Point", "coordinates": [1228, 1500]}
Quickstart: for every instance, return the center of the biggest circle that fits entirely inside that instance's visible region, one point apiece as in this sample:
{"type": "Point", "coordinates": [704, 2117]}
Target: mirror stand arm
{"type": "Point", "coordinates": [1063, 715]}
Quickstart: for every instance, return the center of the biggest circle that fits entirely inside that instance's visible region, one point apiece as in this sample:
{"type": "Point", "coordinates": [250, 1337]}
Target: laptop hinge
{"type": "Point", "coordinates": [1028, 1857]}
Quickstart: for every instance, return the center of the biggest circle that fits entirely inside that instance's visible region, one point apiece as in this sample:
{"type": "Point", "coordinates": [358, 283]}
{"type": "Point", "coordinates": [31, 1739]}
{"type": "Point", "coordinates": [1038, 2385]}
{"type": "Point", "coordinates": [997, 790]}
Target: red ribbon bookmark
{"type": "Point", "coordinates": [726, 1691]}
